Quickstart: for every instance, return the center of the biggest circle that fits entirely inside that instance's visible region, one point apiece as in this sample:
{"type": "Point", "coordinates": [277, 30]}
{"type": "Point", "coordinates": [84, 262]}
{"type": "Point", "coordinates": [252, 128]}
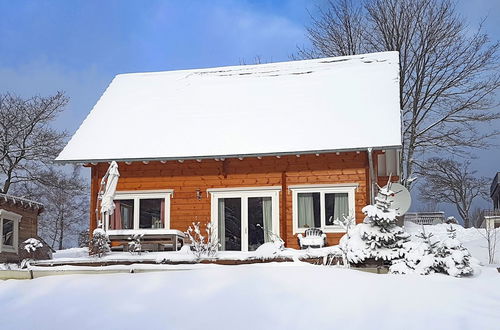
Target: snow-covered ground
{"type": "Point", "coordinates": [272, 296]}
{"type": "Point", "coordinates": [259, 296]}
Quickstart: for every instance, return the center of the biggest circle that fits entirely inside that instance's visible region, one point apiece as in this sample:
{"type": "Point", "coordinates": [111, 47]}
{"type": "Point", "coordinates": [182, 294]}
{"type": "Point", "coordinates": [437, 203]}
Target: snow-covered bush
{"type": "Point", "coordinates": [203, 246]}
{"type": "Point", "coordinates": [378, 237]}
{"type": "Point", "coordinates": [452, 257]}
{"type": "Point", "coordinates": [269, 250]}
{"type": "Point", "coordinates": [425, 255]}
{"type": "Point", "coordinates": [273, 238]}
{"type": "Point", "coordinates": [134, 246]}
{"type": "Point", "coordinates": [420, 256]}
{"type": "Point", "coordinates": [31, 245]}
{"type": "Point", "coordinates": [99, 244]}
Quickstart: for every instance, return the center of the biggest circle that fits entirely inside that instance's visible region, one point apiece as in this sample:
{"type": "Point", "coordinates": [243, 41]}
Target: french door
{"type": "Point", "coordinates": [245, 219]}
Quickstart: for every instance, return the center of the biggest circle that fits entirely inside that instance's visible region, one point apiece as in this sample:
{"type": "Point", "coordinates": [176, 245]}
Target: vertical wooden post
{"type": "Point", "coordinates": [94, 189]}
{"type": "Point", "coordinates": [283, 217]}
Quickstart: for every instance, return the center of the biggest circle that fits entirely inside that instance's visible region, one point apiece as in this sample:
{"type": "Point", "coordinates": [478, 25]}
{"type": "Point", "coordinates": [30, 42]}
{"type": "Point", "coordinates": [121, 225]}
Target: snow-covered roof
{"type": "Point", "coordinates": [23, 202]}
{"type": "Point", "coordinates": [309, 106]}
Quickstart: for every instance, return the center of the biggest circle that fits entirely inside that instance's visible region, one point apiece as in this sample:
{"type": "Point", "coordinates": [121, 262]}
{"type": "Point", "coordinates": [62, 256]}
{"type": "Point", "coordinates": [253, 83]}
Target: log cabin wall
{"type": "Point", "coordinates": [27, 227]}
{"type": "Point", "coordinates": [186, 177]}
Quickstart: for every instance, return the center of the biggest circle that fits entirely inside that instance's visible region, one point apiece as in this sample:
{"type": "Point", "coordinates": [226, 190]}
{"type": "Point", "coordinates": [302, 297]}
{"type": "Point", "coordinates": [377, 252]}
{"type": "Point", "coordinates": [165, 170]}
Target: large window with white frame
{"type": "Point", "coordinates": [318, 206]}
{"type": "Point", "coordinates": [140, 210]}
{"type": "Point", "coordinates": [9, 231]}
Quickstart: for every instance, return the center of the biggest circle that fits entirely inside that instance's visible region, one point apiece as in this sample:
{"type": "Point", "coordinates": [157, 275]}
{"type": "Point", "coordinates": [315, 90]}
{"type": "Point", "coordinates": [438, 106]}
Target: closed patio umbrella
{"type": "Point", "coordinates": [107, 194]}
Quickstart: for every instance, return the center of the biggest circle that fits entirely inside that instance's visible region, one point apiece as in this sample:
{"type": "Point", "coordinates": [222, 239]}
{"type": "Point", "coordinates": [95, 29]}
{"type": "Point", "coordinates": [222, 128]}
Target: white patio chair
{"type": "Point", "coordinates": [313, 237]}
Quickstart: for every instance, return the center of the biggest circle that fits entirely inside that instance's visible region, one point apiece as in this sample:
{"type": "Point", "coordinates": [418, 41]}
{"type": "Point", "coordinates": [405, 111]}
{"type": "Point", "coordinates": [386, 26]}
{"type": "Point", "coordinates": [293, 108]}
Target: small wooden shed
{"type": "Point", "coordinates": [18, 222]}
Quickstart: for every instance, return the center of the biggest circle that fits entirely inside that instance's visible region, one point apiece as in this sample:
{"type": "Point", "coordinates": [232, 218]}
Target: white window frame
{"type": "Point", "coordinates": [137, 196]}
{"type": "Point", "coordinates": [244, 194]}
{"type": "Point", "coordinates": [350, 189]}
{"type": "Point", "coordinates": [16, 218]}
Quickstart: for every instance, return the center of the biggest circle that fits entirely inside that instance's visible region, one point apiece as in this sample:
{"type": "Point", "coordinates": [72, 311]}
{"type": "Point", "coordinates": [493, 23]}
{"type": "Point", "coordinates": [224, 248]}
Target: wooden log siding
{"type": "Point", "coordinates": [185, 178]}
{"type": "Point", "coordinates": [27, 227]}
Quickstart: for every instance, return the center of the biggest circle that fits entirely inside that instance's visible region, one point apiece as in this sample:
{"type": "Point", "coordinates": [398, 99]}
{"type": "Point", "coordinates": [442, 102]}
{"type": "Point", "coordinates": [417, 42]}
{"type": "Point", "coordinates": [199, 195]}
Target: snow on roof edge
{"type": "Point", "coordinates": [269, 154]}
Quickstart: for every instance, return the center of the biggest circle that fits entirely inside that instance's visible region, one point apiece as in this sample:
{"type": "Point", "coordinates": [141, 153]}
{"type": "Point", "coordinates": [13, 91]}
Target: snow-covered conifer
{"type": "Point", "coordinates": [452, 257]}
{"type": "Point", "coordinates": [424, 256]}
{"type": "Point", "coordinates": [420, 256]}
{"type": "Point", "coordinates": [99, 245]}
{"type": "Point", "coordinates": [378, 237]}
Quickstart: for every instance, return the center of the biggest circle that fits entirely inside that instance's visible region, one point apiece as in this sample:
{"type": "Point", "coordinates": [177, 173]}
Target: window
{"type": "Point", "coordinates": [318, 206]}
{"type": "Point", "coordinates": [9, 231]}
{"type": "Point", "coordinates": [141, 210]}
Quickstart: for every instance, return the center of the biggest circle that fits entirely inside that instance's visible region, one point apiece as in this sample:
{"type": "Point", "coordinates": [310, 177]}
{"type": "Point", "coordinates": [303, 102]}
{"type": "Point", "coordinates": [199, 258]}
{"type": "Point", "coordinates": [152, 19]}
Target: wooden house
{"type": "Point", "coordinates": [18, 222]}
{"type": "Point", "coordinates": [253, 149]}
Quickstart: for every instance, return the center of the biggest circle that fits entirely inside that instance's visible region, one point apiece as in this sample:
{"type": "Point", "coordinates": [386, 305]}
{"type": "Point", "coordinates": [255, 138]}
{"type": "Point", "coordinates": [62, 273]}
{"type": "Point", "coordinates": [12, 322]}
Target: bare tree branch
{"type": "Point", "coordinates": [451, 182]}
{"type": "Point", "coordinates": [27, 141]}
{"type": "Point", "coordinates": [448, 75]}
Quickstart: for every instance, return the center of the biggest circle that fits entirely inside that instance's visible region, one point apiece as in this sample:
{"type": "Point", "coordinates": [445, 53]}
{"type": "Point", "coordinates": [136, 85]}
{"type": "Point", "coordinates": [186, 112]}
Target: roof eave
{"type": "Point", "coordinates": [271, 154]}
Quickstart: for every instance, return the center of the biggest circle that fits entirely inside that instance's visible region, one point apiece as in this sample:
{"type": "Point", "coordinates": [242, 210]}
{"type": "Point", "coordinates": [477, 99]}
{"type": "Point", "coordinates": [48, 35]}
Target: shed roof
{"type": "Point", "coordinates": [320, 105]}
{"type": "Point", "coordinates": [21, 202]}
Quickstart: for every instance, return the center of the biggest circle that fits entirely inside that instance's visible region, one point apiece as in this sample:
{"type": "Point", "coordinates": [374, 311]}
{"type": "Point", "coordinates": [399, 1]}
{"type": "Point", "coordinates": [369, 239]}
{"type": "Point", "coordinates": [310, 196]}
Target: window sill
{"type": "Point", "coordinates": [9, 249]}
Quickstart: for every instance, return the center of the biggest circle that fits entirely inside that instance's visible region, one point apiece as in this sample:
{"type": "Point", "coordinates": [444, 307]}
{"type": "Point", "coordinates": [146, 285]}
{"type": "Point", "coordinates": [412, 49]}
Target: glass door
{"type": "Point", "coordinates": [245, 220]}
{"type": "Point", "coordinates": [229, 223]}
{"type": "Point", "coordinates": [259, 221]}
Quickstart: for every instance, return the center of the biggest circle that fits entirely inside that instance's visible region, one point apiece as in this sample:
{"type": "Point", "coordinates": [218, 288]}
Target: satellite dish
{"type": "Point", "coordinates": [401, 200]}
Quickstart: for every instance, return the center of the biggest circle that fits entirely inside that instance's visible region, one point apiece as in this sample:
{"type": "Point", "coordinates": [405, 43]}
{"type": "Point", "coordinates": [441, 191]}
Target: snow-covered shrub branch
{"type": "Point", "coordinates": [201, 245]}
{"type": "Point", "coordinates": [31, 245]}
{"type": "Point", "coordinates": [273, 238]}
{"type": "Point", "coordinates": [134, 244]}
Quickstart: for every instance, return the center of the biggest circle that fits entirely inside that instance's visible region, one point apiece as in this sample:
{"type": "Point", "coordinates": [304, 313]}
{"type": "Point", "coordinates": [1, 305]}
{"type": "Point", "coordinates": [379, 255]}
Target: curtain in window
{"type": "Point", "coordinates": [341, 206]}
{"type": "Point", "coordinates": [267, 216]}
{"type": "Point", "coordinates": [116, 218]}
{"type": "Point", "coordinates": [306, 210]}
{"type": "Point", "coordinates": [162, 213]}
{"type": "Point", "coordinates": [221, 225]}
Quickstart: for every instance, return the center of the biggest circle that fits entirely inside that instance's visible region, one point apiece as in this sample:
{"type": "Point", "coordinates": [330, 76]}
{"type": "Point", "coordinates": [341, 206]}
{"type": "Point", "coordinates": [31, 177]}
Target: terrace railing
{"type": "Point", "coordinates": [425, 218]}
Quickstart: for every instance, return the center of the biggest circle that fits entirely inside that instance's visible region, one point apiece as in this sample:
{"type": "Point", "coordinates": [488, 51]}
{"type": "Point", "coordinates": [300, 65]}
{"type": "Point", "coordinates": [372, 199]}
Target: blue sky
{"type": "Point", "coordinates": [79, 46]}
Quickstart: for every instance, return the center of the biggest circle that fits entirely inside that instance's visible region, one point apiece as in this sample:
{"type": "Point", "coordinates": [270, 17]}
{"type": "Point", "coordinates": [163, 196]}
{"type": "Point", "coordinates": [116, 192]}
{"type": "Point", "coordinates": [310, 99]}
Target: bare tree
{"type": "Point", "coordinates": [27, 141]}
{"type": "Point", "coordinates": [489, 233]}
{"type": "Point", "coordinates": [448, 73]}
{"type": "Point", "coordinates": [66, 200]}
{"type": "Point", "coordinates": [452, 182]}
